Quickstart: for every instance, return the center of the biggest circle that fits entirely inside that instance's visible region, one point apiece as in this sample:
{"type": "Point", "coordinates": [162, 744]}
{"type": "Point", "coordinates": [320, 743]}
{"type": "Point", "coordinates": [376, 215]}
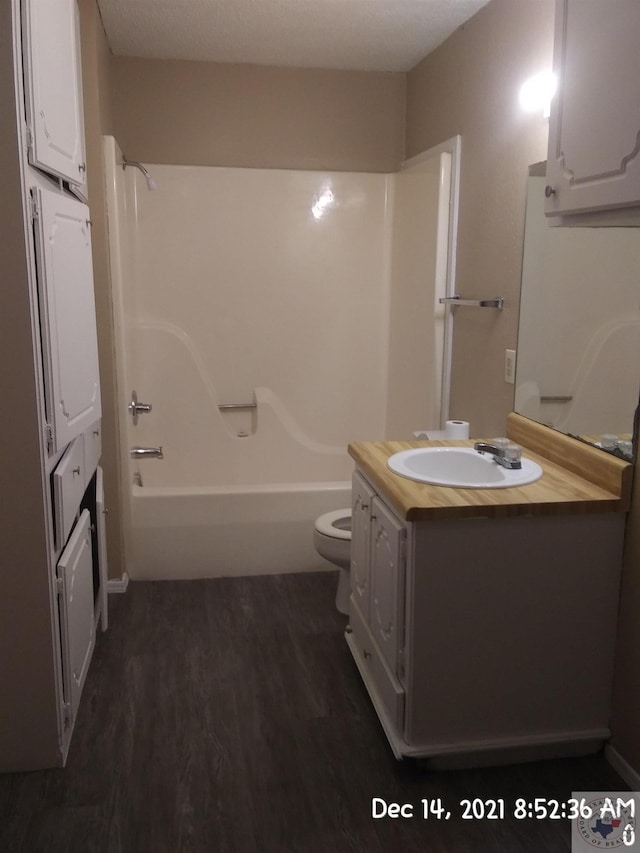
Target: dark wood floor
{"type": "Point", "coordinates": [227, 715]}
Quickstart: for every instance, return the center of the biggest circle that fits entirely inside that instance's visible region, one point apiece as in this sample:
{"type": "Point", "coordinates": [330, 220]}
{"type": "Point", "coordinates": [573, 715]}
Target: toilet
{"type": "Point", "coordinates": [332, 540]}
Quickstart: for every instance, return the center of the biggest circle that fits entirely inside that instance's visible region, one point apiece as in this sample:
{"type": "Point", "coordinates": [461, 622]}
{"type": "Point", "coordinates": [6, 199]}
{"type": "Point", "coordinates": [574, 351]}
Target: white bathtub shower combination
{"type": "Point", "coordinates": [234, 286]}
{"type": "Point", "coordinates": [270, 288]}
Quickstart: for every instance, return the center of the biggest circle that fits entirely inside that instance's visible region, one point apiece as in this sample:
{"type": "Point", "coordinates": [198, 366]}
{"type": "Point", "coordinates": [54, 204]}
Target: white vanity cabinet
{"type": "Point", "coordinates": [594, 156]}
{"type": "Point", "coordinates": [488, 634]}
{"type": "Point", "coordinates": [53, 89]}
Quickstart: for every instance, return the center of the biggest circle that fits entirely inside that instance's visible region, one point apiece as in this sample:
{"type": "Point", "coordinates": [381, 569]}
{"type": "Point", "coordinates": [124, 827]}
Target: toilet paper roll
{"type": "Point", "coordinates": [456, 429]}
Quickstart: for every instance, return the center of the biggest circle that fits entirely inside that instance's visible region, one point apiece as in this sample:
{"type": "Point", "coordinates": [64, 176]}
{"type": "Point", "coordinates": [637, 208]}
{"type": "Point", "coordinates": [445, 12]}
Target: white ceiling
{"type": "Point", "coordinates": [366, 35]}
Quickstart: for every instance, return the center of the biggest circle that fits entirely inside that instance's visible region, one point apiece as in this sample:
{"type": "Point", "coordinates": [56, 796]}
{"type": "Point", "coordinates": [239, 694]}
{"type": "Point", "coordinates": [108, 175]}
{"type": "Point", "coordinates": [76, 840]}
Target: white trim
{"type": "Point", "coordinates": [117, 586]}
{"type": "Point", "coordinates": [622, 767]}
{"type": "Point", "coordinates": [453, 147]}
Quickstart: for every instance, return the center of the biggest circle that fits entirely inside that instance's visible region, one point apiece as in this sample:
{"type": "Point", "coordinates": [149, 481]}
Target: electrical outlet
{"type": "Point", "coordinates": [510, 366]}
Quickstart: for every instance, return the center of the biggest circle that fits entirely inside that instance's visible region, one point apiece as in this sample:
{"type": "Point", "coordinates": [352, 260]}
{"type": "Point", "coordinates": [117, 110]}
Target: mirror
{"type": "Point", "coordinates": [578, 361]}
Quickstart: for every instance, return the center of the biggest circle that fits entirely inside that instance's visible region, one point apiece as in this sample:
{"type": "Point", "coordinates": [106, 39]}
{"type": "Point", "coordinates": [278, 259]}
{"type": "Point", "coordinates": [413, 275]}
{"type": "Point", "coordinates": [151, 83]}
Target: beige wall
{"type": "Point", "coordinates": [212, 114]}
{"type": "Point", "coordinates": [469, 86]}
{"type": "Point", "coordinates": [98, 120]}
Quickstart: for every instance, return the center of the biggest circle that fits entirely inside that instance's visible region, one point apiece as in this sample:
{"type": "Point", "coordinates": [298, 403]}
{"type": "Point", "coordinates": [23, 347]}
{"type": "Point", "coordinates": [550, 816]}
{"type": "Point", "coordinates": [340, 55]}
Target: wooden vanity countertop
{"type": "Point", "coordinates": [577, 478]}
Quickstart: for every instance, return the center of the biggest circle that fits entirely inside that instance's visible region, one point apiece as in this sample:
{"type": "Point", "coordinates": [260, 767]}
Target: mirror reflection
{"type": "Point", "coordinates": [578, 367]}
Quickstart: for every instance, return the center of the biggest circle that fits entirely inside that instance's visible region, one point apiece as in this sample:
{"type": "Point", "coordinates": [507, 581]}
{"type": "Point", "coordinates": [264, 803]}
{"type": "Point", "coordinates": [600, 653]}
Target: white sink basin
{"type": "Point", "coordinates": [460, 468]}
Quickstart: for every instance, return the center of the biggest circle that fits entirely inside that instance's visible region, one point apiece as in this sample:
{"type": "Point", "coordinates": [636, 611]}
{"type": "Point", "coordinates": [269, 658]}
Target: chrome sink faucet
{"type": "Point", "coordinates": [504, 452]}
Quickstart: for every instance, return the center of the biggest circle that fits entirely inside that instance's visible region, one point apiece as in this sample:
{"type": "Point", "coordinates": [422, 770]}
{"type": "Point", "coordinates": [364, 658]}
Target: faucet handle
{"type": "Point", "coordinates": [513, 452]}
{"type": "Point", "coordinates": [137, 408]}
{"type": "Point", "coordinates": [500, 443]}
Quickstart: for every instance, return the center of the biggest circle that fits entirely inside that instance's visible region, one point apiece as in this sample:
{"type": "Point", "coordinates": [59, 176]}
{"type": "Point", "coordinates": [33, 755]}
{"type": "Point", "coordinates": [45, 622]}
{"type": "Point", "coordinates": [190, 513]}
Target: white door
{"type": "Point", "coordinates": [594, 154]}
{"type": "Point", "coordinates": [53, 88]}
{"type": "Point", "coordinates": [68, 319]}
{"type": "Point", "coordinates": [75, 576]}
{"type": "Point", "coordinates": [387, 583]}
{"type": "Point", "coordinates": [422, 272]}
{"type": "Point", "coordinates": [361, 496]}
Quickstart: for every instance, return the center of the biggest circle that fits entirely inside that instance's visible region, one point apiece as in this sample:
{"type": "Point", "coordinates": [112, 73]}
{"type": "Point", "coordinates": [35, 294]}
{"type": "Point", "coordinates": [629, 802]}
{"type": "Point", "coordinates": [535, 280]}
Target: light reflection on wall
{"type": "Point", "coordinates": [324, 202]}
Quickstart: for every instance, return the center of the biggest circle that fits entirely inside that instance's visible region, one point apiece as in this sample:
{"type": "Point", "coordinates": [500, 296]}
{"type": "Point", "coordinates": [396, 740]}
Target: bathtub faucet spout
{"type": "Point", "coordinates": [147, 453]}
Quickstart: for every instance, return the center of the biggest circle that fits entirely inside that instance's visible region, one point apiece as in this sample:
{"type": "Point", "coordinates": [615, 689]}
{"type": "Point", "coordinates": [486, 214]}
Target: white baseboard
{"type": "Point", "coordinates": [118, 586]}
{"type": "Point", "coordinates": [622, 767]}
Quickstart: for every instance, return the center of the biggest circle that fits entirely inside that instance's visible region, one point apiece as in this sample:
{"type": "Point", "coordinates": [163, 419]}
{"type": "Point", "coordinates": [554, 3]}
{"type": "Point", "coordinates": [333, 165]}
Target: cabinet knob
{"type": "Point", "coordinates": [366, 654]}
{"type": "Point", "coordinates": [549, 191]}
{"type": "Point", "coordinates": [76, 471]}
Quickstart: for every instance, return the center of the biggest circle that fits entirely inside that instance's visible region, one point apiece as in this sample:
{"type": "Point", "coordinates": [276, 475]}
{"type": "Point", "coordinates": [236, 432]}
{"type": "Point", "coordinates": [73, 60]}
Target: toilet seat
{"type": "Point", "coordinates": [332, 540]}
{"type": "Point", "coordinates": [335, 524]}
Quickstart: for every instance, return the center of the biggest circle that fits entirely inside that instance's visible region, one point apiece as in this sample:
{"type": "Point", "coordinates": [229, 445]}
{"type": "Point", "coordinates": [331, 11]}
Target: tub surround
{"type": "Point", "coordinates": [489, 642]}
{"type": "Point", "coordinates": [577, 478]}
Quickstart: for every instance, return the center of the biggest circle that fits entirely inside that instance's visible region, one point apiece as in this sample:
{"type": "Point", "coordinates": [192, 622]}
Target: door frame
{"type": "Point", "coordinates": [453, 147]}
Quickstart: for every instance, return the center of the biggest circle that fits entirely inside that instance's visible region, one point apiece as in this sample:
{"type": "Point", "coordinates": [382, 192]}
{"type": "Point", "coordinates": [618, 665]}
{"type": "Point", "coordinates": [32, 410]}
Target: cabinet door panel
{"type": "Point", "coordinates": [594, 131]}
{"type": "Point", "coordinates": [92, 450]}
{"type": "Point", "coordinates": [75, 571]}
{"type": "Point", "coordinates": [53, 88]}
{"type": "Point", "coordinates": [68, 489]}
{"type": "Point", "coordinates": [387, 583]}
{"type": "Point", "coordinates": [376, 673]}
{"type": "Point", "coordinates": [65, 282]}
{"type": "Point", "coordinates": [361, 497]}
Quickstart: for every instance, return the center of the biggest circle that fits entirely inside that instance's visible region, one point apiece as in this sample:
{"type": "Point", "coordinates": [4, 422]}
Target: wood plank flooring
{"type": "Point", "coordinates": [227, 715]}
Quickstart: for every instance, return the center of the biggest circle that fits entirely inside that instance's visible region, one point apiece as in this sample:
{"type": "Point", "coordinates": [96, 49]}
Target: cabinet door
{"type": "Point", "coordinates": [92, 450]}
{"type": "Point", "coordinates": [53, 89]}
{"type": "Point", "coordinates": [386, 619]}
{"type": "Point", "coordinates": [68, 319]}
{"type": "Point", "coordinates": [361, 496]}
{"type": "Point", "coordinates": [594, 131]}
{"type": "Point", "coordinates": [68, 488]}
{"type": "Point", "coordinates": [75, 578]}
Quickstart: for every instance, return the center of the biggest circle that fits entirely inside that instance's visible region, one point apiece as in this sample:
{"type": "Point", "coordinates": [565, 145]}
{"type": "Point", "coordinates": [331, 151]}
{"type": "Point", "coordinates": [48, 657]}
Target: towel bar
{"type": "Point", "coordinates": [496, 302]}
{"type": "Point", "coordinates": [237, 405]}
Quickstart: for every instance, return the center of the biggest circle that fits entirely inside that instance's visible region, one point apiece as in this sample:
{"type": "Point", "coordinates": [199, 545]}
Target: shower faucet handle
{"type": "Point", "coordinates": [137, 408]}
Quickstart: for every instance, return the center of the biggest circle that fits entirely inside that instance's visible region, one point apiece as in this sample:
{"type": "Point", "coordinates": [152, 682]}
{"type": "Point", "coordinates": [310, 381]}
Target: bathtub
{"type": "Point", "coordinates": [251, 501]}
{"type": "Point", "coordinates": [180, 533]}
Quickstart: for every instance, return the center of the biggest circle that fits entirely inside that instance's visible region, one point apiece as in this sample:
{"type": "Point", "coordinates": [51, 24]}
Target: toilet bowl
{"type": "Point", "coordinates": [332, 540]}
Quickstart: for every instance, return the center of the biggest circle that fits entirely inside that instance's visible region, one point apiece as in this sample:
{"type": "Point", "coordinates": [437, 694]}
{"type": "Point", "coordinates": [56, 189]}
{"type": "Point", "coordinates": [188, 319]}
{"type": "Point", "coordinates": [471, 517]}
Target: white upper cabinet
{"type": "Point", "coordinates": [68, 320]}
{"type": "Point", "coordinates": [53, 89]}
{"type": "Point", "coordinates": [594, 131]}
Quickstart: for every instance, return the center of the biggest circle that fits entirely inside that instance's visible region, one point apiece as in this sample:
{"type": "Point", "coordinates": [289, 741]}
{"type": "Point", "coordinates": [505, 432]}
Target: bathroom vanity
{"type": "Point", "coordinates": [483, 621]}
